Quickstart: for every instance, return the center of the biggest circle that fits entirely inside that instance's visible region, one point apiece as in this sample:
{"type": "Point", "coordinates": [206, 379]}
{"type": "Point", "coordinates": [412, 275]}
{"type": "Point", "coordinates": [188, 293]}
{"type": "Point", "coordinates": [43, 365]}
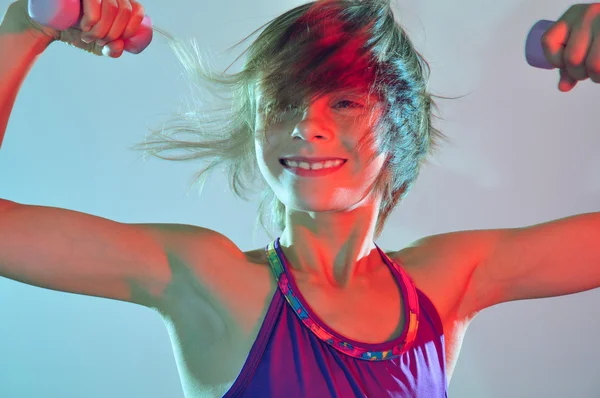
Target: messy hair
{"type": "Point", "coordinates": [303, 54]}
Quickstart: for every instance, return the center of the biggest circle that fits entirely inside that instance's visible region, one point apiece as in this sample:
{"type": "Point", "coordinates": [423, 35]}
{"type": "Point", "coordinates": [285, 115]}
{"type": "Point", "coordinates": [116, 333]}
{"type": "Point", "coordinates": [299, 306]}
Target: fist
{"type": "Point", "coordinates": [104, 26]}
{"type": "Point", "coordinates": [572, 44]}
{"type": "Point", "coordinates": [110, 22]}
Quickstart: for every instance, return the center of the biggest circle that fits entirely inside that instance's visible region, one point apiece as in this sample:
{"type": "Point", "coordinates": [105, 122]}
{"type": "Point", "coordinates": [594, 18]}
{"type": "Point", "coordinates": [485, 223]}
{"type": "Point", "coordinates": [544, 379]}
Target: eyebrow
{"type": "Point", "coordinates": [352, 90]}
{"type": "Point", "coordinates": [344, 90]}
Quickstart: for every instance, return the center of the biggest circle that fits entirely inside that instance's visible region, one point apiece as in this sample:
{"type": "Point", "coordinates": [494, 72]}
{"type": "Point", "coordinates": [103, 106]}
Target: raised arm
{"type": "Point", "coordinates": [19, 49]}
{"type": "Point", "coordinates": [79, 253]}
{"type": "Point", "coordinates": [71, 251]}
{"type": "Point", "coordinates": [23, 40]}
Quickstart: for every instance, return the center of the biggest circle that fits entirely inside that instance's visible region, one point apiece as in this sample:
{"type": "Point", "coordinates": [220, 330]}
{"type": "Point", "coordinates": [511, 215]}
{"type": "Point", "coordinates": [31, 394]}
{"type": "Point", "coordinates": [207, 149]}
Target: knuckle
{"type": "Point", "coordinates": [569, 64]}
{"type": "Point", "coordinates": [135, 20]}
{"type": "Point", "coordinates": [139, 11]}
{"type": "Point", "coordinates": [125, 7]}
{"type": "Point", "coordinates": [128, 4]}
{"type": "Point", "coordinates": [595, 8]}
{"type": "Point", "coordinates": [110, 12]}
{"type": "Point", "coordinates": [546, 39]}
{"type": "Point", "coordinates": [123, 17]}
{"type": "Point", "coordinates": [92, 20]}
{"type": "Point", "coordinates": [553, 55]}
{"type": "Point", "coordinates": [112, 6]}
{"type": "Point", "coordinates": [593, 68]}
{"type": "Point", "coordinates": [579, 74]}
{"type": "Point", "coordinates": [126, 11]}
{"type": "Point", "coordinates": [571, 61]}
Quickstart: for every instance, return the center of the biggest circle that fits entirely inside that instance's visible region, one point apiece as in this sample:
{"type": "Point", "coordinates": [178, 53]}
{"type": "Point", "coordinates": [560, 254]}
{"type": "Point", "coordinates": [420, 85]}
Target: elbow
{"type": "Point", "coordinates": [6, 205]}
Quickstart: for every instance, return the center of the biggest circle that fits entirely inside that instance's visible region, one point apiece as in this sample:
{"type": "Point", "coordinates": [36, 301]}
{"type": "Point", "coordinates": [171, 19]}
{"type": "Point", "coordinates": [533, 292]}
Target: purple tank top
{"type": "Point", "coordinates": [297, 355]}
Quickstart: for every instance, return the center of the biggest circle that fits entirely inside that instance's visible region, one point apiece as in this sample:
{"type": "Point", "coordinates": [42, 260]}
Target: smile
{"type": "Point", "coordinates": [312, 169]}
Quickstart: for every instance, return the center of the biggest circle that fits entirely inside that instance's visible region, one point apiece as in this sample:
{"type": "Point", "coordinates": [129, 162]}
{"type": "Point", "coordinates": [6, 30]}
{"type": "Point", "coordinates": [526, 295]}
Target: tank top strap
{"type": "Point", "coordinates": [371, 352]}
{"type": "Point", "coordinates": [274, 262]}
{"type": "Point", "coordinates": [411, 292]}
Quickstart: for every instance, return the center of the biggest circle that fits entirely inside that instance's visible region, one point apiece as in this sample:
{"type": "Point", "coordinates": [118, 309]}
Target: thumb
{"type": "Point", "coordinates": [566, 83]}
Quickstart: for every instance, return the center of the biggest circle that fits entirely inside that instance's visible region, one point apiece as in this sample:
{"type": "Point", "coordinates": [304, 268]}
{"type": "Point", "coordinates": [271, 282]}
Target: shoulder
{"type": "Point", "coordinates": [196, 248]}
{"type": "Point", "coordinates": [200, 262]}
{"type": "Point", "coordinates": [443, 267]}
{"type": "Point", "coordinates": [187, 238]}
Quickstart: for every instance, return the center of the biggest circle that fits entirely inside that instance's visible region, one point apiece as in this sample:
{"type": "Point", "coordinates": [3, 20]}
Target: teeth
{"type": "Point", "coordinates": [313, 166]}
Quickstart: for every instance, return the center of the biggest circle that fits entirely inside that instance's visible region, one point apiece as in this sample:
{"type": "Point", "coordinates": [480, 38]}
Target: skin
{"type": "Point", "coordinates": [330, 220]}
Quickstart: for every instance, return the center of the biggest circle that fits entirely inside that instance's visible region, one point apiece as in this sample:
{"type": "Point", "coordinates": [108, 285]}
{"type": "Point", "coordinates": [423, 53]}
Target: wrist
{"type": "Point", "coordinates": [27, 37]}
{"type": "Point", "coordinates": [17, 25]}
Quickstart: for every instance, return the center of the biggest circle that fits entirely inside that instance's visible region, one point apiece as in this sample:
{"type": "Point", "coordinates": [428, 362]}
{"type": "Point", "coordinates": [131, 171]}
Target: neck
{"type": "Point", "coordinates": [331, 249]}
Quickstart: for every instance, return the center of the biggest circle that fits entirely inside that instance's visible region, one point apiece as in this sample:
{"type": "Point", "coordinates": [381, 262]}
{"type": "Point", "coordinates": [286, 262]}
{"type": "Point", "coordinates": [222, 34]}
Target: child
{"type": "Point", "coordinates": [331, 110]}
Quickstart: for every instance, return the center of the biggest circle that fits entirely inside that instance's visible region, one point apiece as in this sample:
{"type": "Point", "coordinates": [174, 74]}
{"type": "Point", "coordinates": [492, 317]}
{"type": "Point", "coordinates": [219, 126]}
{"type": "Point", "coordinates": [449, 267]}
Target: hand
{"type": "Point", "coordinates": [110, 22]}
{"type": "Point", "coordinates": [572, 44]}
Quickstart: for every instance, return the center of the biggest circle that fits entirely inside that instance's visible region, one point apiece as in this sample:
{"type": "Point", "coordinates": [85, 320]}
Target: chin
{"type": "Point", "coordinates": [317, 206]}
{"type": "Point", "coordinates": [312, 207]}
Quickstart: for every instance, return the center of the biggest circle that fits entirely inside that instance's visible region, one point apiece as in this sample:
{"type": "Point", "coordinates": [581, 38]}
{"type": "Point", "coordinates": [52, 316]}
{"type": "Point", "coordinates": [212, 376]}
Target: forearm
{"type": "Point", "coordinates": [551, 259]}
{"type": "Point", "coordinates": [19, 49]}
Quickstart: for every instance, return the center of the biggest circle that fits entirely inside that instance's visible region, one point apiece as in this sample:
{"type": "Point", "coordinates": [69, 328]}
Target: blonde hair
{"type": "Point", "coordinates": [303, 54]}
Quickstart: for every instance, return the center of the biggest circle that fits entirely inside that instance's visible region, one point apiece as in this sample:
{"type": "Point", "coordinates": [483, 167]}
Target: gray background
{"type": "Point", "coordinates": [523, 153]}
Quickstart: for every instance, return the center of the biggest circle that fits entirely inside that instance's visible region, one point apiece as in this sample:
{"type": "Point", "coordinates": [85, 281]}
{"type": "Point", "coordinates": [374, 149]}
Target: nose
{"type": "Point", "coordinates": [313, 126]}
{"type": "Point", "coordinates": [310, 134]}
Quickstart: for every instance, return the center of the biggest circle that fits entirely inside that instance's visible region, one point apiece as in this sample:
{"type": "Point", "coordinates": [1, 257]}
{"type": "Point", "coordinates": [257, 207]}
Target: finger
{"type": "Point", "coordinates": [137, 16]}
{"type": "Point", "coordinates": [91, 14]}
{"type": "Point", "coordinates": [592, 62]}
{"type": "Point", "coordinates": [566, 83]}
{"type": "Point", "coordinates": [576, 51]}
{"type": "Point", "coordinates": [114, 49]}
{"type": "Point", "coordinates": [121, 20]}
{"type": "Point", "coordinates": [110, 10]}
{"type": "Point", "coordinates": [554, 42]}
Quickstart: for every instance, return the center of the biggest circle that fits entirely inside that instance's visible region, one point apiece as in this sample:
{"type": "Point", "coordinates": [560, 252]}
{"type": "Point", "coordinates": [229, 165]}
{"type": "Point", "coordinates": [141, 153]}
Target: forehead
{"type": "Point", "coordinates": [357, 91]}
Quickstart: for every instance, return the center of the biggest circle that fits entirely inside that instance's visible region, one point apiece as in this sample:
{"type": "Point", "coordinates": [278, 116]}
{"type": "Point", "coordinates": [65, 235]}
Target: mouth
{"type": "Point", "coordinates": [311, 168]}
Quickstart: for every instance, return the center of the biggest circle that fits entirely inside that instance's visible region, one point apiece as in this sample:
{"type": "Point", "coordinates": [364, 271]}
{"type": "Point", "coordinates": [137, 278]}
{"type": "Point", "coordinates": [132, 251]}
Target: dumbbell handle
{"type": "Point", "coordinates": [534, 53]}
{"type": "Point", "coordinates": [65, 14]}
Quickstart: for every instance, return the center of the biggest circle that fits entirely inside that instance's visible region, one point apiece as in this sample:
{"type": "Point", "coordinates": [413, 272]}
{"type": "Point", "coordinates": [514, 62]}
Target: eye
{"type": "Point", "coordinates": [275, 116]}
{"type": "Point", "coordinates": [354, 104]}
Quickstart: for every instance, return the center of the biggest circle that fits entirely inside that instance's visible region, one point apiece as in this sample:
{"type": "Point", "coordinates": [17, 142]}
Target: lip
{"type": "Point", "coordinates": [312, 173]}
{"type": "Point", "coordinates": [315, 159]}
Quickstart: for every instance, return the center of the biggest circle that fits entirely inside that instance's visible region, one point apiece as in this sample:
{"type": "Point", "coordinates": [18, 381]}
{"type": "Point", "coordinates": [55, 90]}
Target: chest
{"type": "Point", "coordinates": [371, 312]}
{"type": "Point", "coordinates": [212, 339]}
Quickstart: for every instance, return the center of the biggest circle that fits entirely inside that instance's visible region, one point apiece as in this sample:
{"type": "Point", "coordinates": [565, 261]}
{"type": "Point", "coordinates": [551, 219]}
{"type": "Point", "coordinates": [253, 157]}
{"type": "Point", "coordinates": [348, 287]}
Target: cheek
{"type": "Point", "coordinates": [261, 157]}
{"type": "Point", "coordinates": [267, 159]}
{"type": "Point", "coordinates": [372, 170]}
{"type": "Point", "coordinates": [268, 145]}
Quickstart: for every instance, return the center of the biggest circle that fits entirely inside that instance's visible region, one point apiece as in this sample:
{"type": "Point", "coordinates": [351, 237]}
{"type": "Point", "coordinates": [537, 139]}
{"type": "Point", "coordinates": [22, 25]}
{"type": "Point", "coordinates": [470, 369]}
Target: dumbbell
{"type": "Point", "coordinates": [534, 53]}
{"type": "Point", "coordinates": [65, 14]}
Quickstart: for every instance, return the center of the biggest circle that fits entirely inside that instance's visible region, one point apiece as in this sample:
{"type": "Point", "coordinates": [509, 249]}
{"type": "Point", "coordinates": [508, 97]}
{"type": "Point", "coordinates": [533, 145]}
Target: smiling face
{"type": "Point", "coordinates": [330, 127]}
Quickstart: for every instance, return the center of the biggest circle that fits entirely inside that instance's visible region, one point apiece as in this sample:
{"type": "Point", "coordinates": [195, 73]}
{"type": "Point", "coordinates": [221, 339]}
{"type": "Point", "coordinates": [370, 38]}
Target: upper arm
{"type": "Point", "coordinates": [549, 259]}
{"type": "Point", "coordinates": [448, 268]}
{"type": "Point", "coordinates": [74, 252]}
{"type": "Point", "coordinates": [474, 270]}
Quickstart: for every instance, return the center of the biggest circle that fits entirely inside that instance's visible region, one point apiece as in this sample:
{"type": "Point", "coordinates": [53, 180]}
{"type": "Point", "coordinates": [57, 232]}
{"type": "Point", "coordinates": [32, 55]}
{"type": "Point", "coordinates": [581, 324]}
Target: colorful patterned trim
{"type": "Point", "coordinates": [273, 250]}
